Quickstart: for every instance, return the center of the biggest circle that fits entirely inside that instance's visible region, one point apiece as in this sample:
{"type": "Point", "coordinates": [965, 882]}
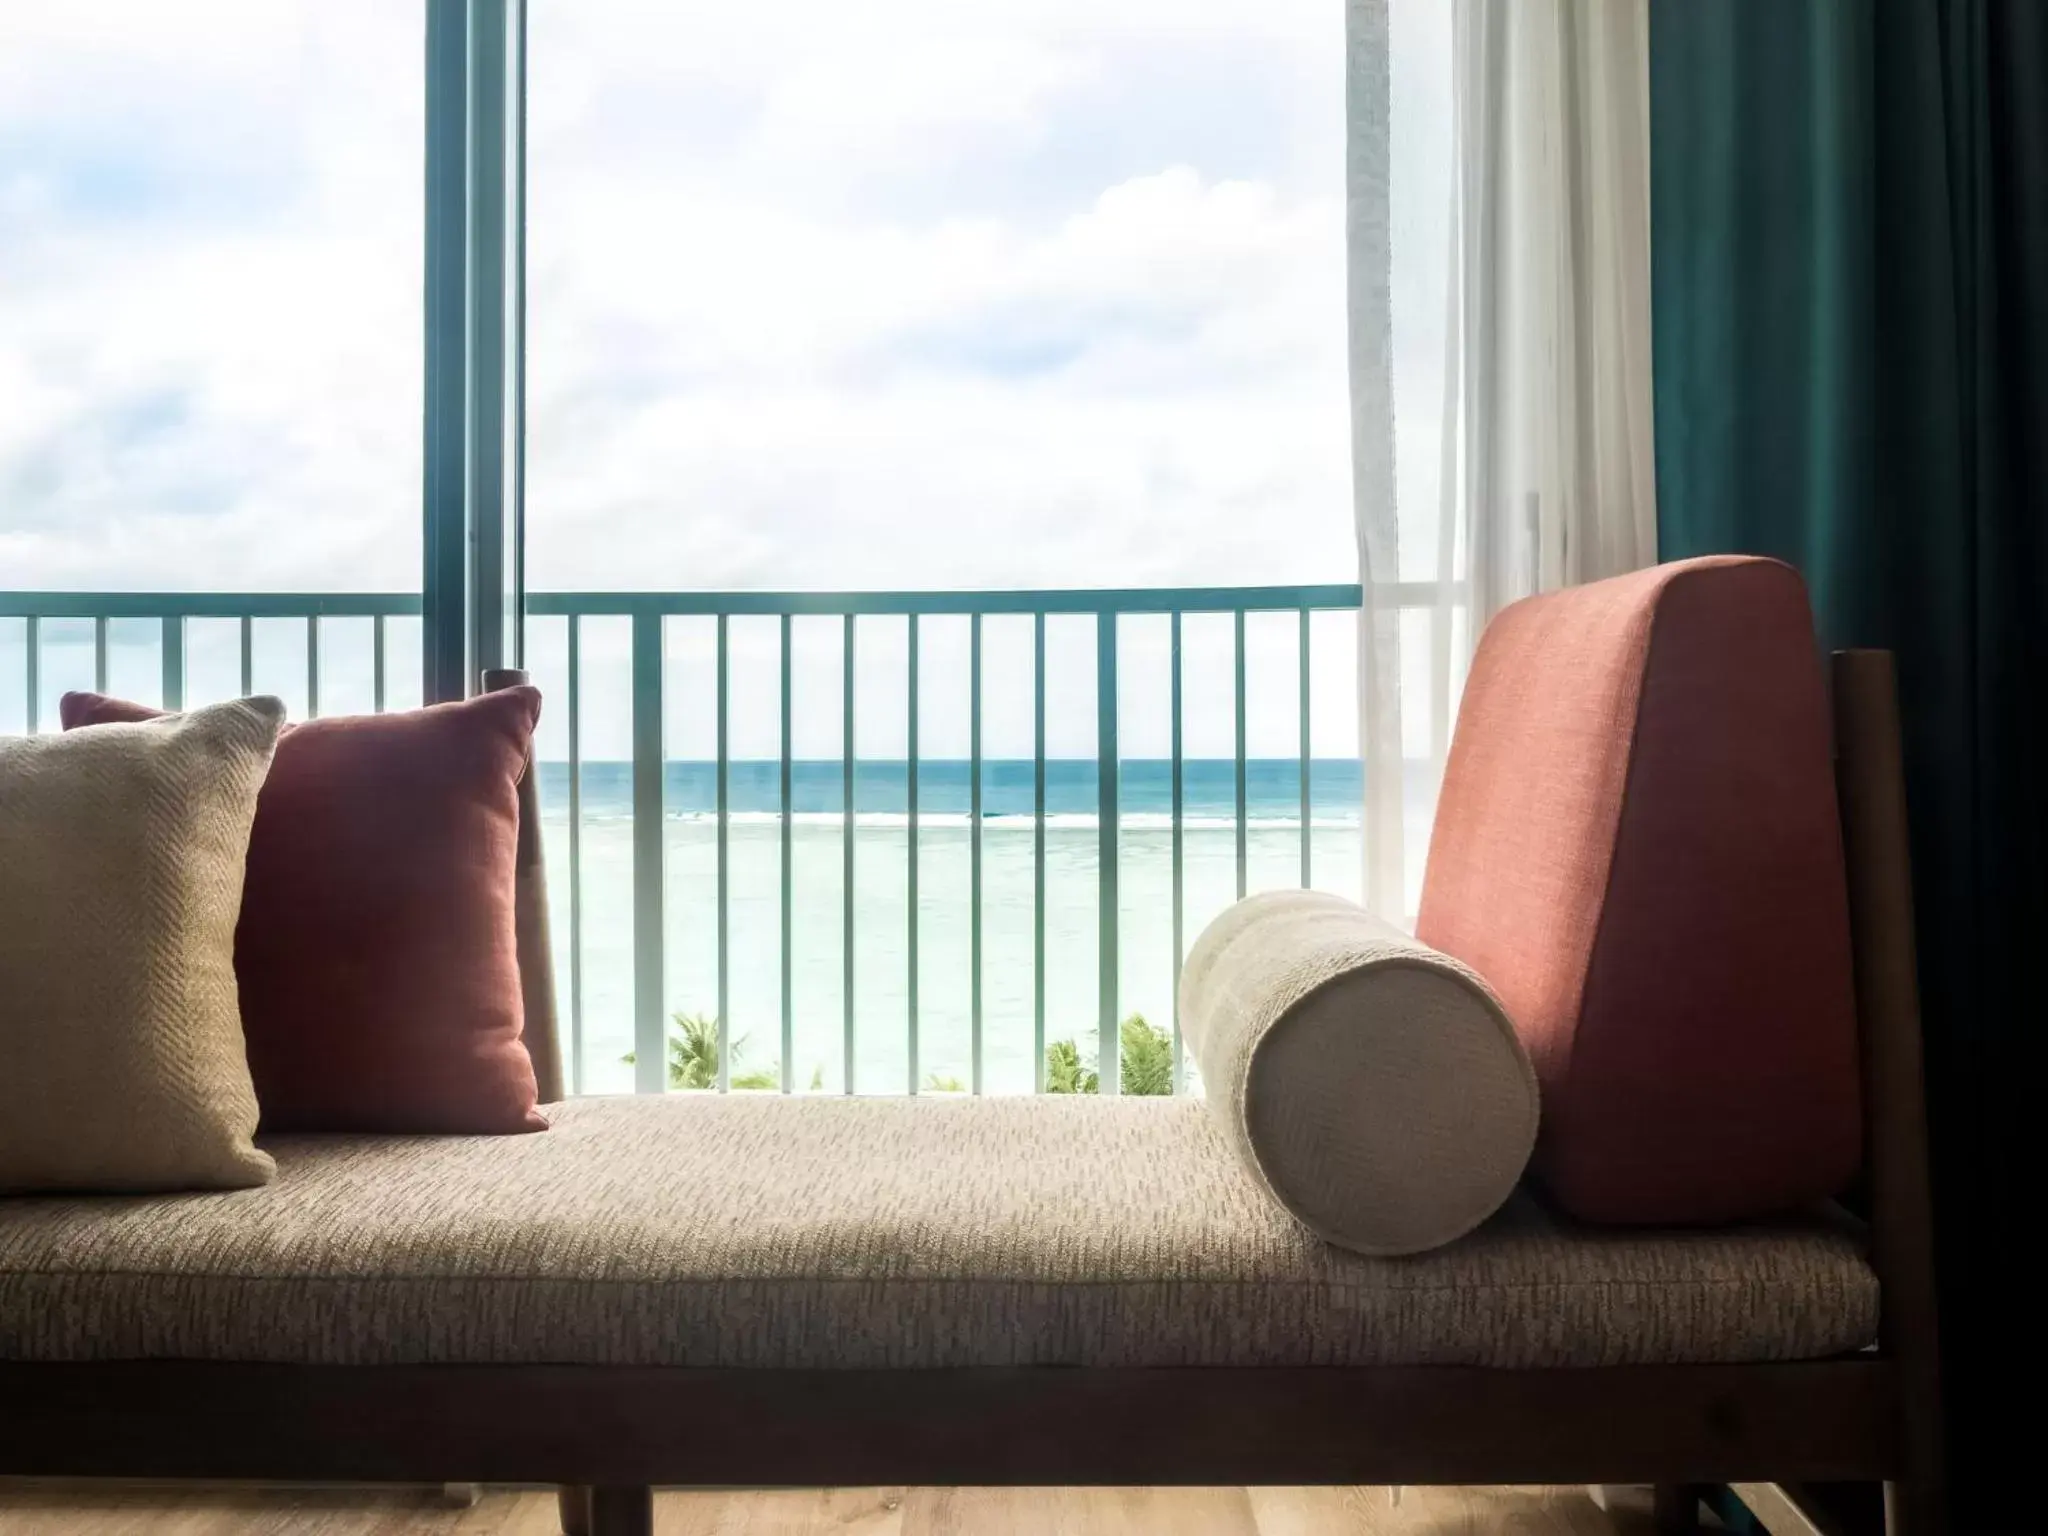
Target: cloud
{"type": "Point", "coordinates": [1135, 393]}
{"type": "Point", "coordinates": [217, 208]}
{"type": "Point", "coordinates": [1028, 293]}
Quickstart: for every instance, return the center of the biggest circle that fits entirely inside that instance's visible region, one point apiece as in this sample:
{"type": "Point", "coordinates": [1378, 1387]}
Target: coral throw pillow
{"type": "Point", "coordinates": [1637, 846]}
{"type": "Point", "coordinates": [376, 957]}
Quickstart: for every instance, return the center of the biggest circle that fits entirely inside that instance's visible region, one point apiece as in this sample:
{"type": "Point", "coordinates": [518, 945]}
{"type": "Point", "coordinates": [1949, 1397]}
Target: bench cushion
{"type": "Point", "coordinates": [770, 1232]}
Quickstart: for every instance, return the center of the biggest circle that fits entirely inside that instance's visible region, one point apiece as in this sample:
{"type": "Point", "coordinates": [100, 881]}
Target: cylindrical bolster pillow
{"type": "Point", "coordinates": [1373, 1085]}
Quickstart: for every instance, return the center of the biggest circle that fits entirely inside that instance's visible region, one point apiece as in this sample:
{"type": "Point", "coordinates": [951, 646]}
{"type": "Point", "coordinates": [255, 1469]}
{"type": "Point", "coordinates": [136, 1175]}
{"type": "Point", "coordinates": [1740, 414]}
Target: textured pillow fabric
{"type": "Point", "coordinates": [121, 867]}
{"type": "Point", "coordinates": [1373, 1086]}
{"type": "Point", "coordinates": [379, 970]}
{"type": "Point", "coordinates": [1637, 846]}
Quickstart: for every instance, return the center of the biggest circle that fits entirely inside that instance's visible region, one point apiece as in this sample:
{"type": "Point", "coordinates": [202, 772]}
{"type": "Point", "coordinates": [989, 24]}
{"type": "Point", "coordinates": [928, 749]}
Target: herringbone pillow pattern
{"type": "Point", "coordinates": [121, 869]}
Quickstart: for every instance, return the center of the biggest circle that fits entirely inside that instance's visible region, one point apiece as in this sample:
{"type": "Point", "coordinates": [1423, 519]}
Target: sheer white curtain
{"type": "Point", "coordinates": [1503, 445]}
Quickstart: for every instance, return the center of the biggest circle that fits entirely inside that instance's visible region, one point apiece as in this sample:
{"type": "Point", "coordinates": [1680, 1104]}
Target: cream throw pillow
{"type": "Point", "coordinates": [121, 851]}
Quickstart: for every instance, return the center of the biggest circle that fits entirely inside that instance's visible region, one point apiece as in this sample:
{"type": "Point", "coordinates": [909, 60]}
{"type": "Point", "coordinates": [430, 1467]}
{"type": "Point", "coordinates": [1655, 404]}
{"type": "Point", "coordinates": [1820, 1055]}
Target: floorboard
{"type": "Point", "coordinates": [31, 1508]}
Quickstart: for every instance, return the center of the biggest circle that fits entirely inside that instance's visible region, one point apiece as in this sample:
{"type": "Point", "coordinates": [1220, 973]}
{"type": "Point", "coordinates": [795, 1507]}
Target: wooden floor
{"type": "Point", "coordinates": [74, 1509]}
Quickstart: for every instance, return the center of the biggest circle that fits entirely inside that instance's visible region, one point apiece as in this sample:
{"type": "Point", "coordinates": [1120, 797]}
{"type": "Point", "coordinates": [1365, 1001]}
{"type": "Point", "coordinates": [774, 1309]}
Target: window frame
{"type": "Point", "coordinates": [472, 495]}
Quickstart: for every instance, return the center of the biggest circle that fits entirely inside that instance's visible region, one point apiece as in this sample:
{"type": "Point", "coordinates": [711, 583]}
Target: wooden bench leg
{"type": "Point", "coordinates": [1675, 1509]}
{"type": "Point", "coordinates": [572, 1501]}
{"type": "Point", "coordinates": [1914, 1508]}
{"type": "Point", "coordinates": [622, 1511]}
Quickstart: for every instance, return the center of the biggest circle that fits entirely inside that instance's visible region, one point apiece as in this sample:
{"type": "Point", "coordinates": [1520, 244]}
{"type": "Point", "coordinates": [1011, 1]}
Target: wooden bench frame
{"type": "Point", "coordinates": [608, 1434]}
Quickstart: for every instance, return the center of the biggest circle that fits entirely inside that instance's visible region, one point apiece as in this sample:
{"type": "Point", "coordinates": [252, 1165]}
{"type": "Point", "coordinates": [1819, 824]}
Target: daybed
{"type": "Point", "coordinates": [755, 1290]}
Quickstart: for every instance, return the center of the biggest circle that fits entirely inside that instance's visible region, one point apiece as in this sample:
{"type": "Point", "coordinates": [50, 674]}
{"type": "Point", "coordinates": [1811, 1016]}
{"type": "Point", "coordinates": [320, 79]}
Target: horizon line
{"type": "Point", "coordinates": [926, 761]}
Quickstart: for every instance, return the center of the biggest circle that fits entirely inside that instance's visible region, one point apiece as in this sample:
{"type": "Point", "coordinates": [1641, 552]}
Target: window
{"type": "Point", "coordinates": [210, 294]}
{"type": "Point", "coordinates": [951, 307]}
{"type": "Point", "coordinates": [210, 320]}
{"type": "Point", "coordinates": [1033, 294]}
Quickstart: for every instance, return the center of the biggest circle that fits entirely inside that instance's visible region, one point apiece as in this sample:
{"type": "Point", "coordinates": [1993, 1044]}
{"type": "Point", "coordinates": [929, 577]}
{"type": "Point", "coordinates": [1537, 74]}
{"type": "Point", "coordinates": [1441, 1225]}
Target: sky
{"type": "Point", "coordinates": [1024, 293]}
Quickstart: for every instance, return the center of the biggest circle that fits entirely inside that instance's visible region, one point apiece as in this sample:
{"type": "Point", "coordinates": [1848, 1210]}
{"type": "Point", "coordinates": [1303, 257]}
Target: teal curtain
{"type": "Point", "coordinates": [1849, 224]}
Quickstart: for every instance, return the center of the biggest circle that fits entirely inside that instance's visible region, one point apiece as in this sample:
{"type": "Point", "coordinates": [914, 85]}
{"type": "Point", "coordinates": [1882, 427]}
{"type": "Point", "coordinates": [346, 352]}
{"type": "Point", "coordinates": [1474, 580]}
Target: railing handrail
{"type": "Point", "coordinates": [1078, 600]}
{"type": "Point", "coordinates": [648, 613]}
{"type": "Point", "coordinates": [208, 605]}
{"type": "Point", "coordinates": [1064, 600]}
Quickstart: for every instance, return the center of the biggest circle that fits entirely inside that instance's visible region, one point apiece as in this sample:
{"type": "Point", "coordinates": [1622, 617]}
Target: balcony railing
{"type": "Point", "coordinates": [793, 800]}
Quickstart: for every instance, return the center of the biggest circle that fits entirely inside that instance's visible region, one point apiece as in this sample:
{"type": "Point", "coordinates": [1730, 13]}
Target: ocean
{"type": "Point", "coordinates": [1274, 834]}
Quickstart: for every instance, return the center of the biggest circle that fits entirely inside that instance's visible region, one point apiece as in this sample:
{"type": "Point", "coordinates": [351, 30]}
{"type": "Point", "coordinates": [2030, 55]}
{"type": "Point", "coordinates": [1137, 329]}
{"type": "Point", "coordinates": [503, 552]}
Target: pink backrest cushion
{"type": "Point", "coordinates": [1637, 846]}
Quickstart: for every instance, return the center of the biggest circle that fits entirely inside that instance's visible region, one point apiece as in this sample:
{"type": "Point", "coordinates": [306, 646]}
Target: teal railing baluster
{"type": "Point", "coordinates": [1179, 864]}
{"type": "Point", "coordinates": [171, 656]}
{"type": "Point", "coordinates": [788, 972]}
{"type": "Point", "coordinates": [846, 926]}
{"type": "Point", "coordinates": [724, 874]}
{"type": "Point", "coordinates": [446, 305]}
{"type": "Point", "coordinates": [575, 705]}
{"type": "Point", "coordinates": [1307, 854]}
{"type": "Point", "coordinates": [650, 1022]}
{"type": "Point", "coordinates": [1106, 898]}
{"type": "Point", "coordinates": [312, 667]}
{"type": "Point", "coordinates": [1239, 712]}
{"type": "Point", "coordinates": [974, 846]}
{"type": "Point", "coordinates": [647, 613]}
{"type": "Point", "coordinates": [910, 980]}
{"type": "Point", "coordinates": [1038, 851]}
{"type": "Point", "coordinates": [32, 645]}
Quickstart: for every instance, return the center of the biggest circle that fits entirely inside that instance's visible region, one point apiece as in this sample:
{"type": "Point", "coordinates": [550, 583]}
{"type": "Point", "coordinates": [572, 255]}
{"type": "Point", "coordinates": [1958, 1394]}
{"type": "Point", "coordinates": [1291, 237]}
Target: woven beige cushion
{"type": "Point", "coordinates": [1371, 1084]}
{"type": "Point", "coordinates": [121, 852]}
{"type": "Point", "coordinates": [753, 1230]}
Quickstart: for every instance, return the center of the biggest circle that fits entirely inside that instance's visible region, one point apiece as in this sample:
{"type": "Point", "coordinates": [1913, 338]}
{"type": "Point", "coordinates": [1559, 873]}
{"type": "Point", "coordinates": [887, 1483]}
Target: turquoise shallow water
{"type": "Point", "coordinates": [944, 788]}
{"type": "Point", "coordinates": [880, 938]}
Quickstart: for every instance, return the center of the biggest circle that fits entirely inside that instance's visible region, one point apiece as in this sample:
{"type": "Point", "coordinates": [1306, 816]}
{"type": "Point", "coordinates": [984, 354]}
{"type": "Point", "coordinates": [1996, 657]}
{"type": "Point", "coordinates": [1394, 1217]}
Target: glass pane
{"type": "Point", "coordinates": [210, 321]}
{"type": "Point", "coordinates": [904, 296]}
{"type": "Point", "coordinates": [907, 295]}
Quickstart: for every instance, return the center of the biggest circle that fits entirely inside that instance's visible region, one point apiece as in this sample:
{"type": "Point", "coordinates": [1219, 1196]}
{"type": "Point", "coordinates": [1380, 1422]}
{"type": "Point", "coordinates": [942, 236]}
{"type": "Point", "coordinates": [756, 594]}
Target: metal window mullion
{"type": "Point", "coordinates": [515, 349]}
{"type": "Point", "coordinates": [473, 461]}
{"type": "Point", "coordinates": [445, 558]}
{"type": "Point", "coordinates": [486, 324]}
